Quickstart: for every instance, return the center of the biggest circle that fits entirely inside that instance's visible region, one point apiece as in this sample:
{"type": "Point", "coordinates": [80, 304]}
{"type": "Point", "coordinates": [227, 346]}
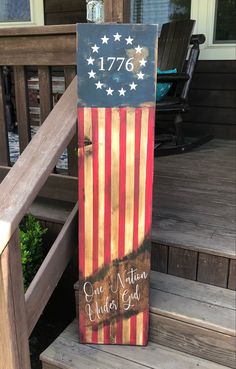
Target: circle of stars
{"type": "Point", "coordinates": [95, 50]}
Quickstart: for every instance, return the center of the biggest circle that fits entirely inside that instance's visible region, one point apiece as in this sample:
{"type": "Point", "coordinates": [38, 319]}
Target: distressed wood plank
{"type": "Point", "coordinates": [232, 275]}
{"type": "Point", "coordinates": [69, 73]}
{"type": "Point", "coordinates": [193, 340]}
{"type": "Point", "coordinates": [14, 348]}
{"type": "Point", "coordinates": [67, 348]}
{"type": "Point", "coordinates": [159, 258]}
{"type": "Point", "coordinates": [196, 291]}
{"type": "Point", "coordinates": [182, 263]}
{"type": "Point", "coordinates": [213, 270]}
{"type": "Point", "coordinates": [51, 270]}
{"type": "Point", "coordinates": [22, 106]}
{"type": "Point", "coordinates": [23, 182]}
{"type": "Point", "coordinates": [45, 92]}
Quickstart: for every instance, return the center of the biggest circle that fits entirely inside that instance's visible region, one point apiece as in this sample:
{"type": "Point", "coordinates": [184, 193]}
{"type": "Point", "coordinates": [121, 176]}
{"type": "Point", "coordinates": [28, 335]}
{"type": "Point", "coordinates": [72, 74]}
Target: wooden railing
{"type": "Point", "coordinates": [41, 47]}
{"type": "Point", "coordinates": [18, 316]}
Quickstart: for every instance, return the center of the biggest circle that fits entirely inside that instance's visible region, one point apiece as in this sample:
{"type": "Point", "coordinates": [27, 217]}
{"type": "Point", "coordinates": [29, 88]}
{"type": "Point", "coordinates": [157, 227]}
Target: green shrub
{"type": "Point", "coordinates": [32, 251]}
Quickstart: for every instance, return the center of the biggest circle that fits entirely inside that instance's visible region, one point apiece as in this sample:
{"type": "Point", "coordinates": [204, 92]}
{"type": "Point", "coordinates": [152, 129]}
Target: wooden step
{"type": "Point", "coordinates": [193, 317]}
{"type": "Point", "coordinates": [66, 353]}
{"type": "Point", "coordinates": [177, 248]}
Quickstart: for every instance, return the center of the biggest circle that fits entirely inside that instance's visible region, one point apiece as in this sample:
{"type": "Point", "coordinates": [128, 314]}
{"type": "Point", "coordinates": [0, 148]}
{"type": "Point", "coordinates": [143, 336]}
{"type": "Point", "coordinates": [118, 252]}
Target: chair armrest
{"type": "Point", "coordinates": [172, 77]}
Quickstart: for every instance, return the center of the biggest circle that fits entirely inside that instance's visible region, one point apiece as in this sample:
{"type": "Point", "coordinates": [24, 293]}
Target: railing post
{"type": "Point", "coordinates": [14, 346]}
{"type": "Point", "coordinates": [117, 11]}
{"type": "Point", "coordinates": [4, 146]}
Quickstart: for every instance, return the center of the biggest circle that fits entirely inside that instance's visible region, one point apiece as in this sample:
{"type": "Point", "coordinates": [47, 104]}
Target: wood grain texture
{"type": "Point", "coordinates": [14, 348]}
{"type": "Point", "coordinates": [4, 147]}
{"type": "Point", "coordinates": [197, 341]}
{"type": "Point", "coordinates": [22, 106]}
{"type": "Point", "coordinates": [45, 92]}
{"type": "Point", "coordinates": [117, 11]}
{"type": "Point", "coordinates": [182, 263]}
{"type": "Point", "coordinates": [21, 47]}
{"type": "Point", "coordinates": [69, 73]}
{"type": "Point", "coordinates": [66, 353]}
{"type": "Point", "coordinates": [232, 275]}
{"type": "Point", "coordinates": [213, 270]}
{"type": "Point", "coordinates": [51, 270]}
{"type": "Point", "coordinates": [159, 258]}
{"type": "Point", "coordinates": [196, 291]}
{"type": "Point", "coordinates": [57, 187]}
{"type": "Point", "coordinates": [31, 170]}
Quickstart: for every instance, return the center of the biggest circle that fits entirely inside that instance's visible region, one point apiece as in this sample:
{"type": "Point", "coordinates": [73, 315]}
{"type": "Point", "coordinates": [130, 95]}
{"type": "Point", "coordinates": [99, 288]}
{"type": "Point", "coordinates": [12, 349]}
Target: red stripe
{"type": "Point", "coordinates": [149, 172]}
{"type": "Point", "coordinates": [145, 326]}
{"type": "Point", "coordinates": [138, 117]}
{"type": "Point", "coordinates": [81, 212]}
{"type": "Point", "coordinates": [148, 200]}
{"type": "Point", "coordinates": [122, 171]}
{"type": "Point", "coordinates": [95, 187]}
{"type": "Point", "coordinates": [122, 188]}
{"type": "Point", "coordinates": [107, 205]}
{"type": "Point", "coordinates": [107, 198]}
{"type": "Point", "coordinates": [95, 200]}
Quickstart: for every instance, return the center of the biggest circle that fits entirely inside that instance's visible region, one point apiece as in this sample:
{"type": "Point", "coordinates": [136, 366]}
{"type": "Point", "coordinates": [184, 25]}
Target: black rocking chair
{"type": "Point", "coordinates": [175, 42]}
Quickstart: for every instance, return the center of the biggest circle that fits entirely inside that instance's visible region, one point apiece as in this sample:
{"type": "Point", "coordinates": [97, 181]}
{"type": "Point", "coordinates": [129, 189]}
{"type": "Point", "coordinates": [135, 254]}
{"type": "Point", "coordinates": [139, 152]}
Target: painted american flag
{"type": "Point", "coordinates": [116, 115]}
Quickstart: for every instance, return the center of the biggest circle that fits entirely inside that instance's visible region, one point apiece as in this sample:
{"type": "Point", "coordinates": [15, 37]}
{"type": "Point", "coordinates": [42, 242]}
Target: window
{"type": "Point", "coordinates": [21, 13]}
{"type": "Point", "coordinates": [159, 11]}
{"type": "Point", "coordinates": [225, 21]}
{"type": "Point", "coordinates": [216, 19]}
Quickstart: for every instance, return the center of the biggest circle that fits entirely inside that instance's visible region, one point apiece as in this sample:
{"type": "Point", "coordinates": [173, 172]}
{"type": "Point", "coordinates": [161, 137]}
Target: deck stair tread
{"type": "Point", "coordinates": [66, 353]}
{"type": "Point", "coordinates": [192, 317]}
{"type": "Point", "coordinates": [193, 302]}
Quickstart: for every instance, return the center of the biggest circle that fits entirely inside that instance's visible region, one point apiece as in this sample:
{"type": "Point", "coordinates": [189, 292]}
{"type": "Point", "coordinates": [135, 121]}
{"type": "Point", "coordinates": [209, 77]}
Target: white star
{"type": "Point", "coordinates": [99, 85]}
{"type": "Point", "coordinates": [109, 91]}
{"type": "Point", "coordinates": [95, 48]}
{"type": "Point", "coordinates": [129, 40]}
{"type": "Point", "coordinates": [133, 86]}
{"type": "Point", "coordinates": [138, 49]}
{"type": "Point", "coordinates": [117, 36]}
{"type": "Point", "coordinates": [105, 39]}
{"type": "Point", "coordinates": [143, 62]}
{"type": "Point", "coordinates": [91, 74]}
{"type": "Point", "coordinates": [90, 61]}
{"type": "Point", "coordinates": [140, 75]}
{"type": "Point", "coordinates": [122, 92]}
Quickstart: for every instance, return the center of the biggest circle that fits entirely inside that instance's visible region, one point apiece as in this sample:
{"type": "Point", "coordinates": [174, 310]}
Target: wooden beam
{"type": "Point", "coordinates": [21, 46]}
{"type": "Point", "coordinates": [22, 108]}
{"type": "Point", "coordinates": [22, 184]}
{"type": "Point", "coordinates": [45, 92]}
{"type": "Point", "coordinates": [117, 11]}
{"type": "Point", "coordinates": [69, 73]}
{"type": "Point", "coordinates": [4, 147]}
{"type": "Point", "coordinates": [14, 347]}
{"type": "Point", "coordinates": [57, 186]}
{"type": "Point", "coordinates": [50, 272]}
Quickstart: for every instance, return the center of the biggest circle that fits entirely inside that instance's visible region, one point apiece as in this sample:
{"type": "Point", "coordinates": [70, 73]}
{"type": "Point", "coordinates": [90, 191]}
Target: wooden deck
{"type": "Point", "coordinates": [194, 212]}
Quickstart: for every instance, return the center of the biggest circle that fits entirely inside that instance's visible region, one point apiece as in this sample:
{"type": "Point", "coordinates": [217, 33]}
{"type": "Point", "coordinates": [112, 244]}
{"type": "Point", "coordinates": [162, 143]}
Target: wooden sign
{"type": "Point", "coordinates": [116, 115]}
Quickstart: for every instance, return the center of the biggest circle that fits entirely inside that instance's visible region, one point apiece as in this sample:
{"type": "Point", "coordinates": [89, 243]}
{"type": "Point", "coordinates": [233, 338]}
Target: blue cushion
{"type": "Point", "coordinates": [163, 88]}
